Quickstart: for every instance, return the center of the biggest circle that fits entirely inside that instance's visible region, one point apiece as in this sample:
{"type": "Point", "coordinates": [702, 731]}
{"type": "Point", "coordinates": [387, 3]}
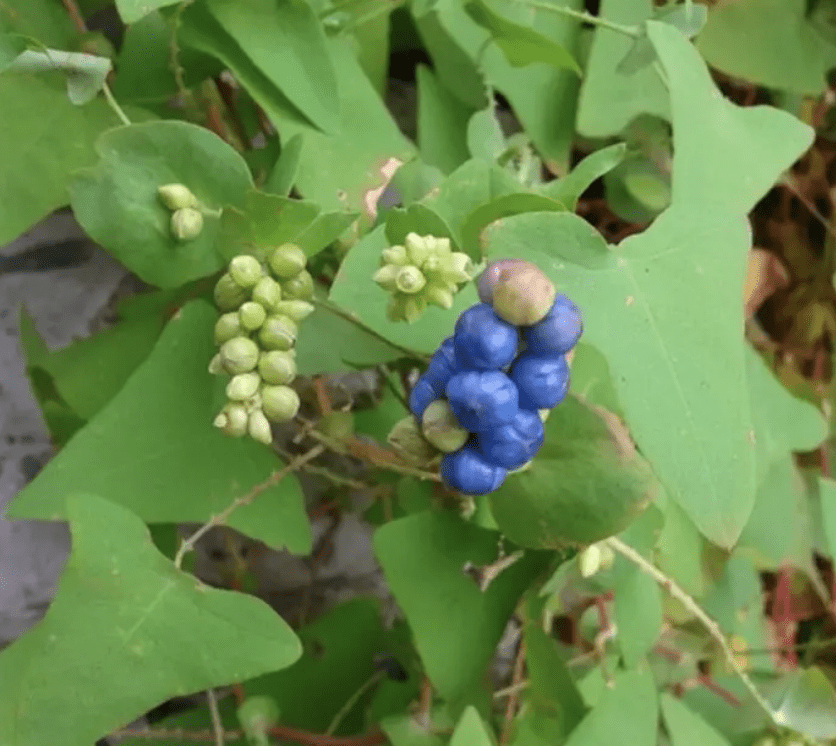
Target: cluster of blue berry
{"type": "Point", "coordinates": [496, 379]}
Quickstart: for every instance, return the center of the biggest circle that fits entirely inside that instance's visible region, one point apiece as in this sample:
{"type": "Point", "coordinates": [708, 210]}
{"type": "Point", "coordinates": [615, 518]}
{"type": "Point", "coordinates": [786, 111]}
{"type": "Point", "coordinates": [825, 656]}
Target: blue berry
{"type": "Point", "coordinates": [542, 380]}
{"type": "Point", "coordinates": [482, 399]}
{"type": "Point", "coordinates": [466, 471]}
{"type": "Point", "coordinates": [484, 341]}
{"type": "Point", "coordinates": [514, 444]}
{"type": "Point", "coordinates": [442, 366]}
{"type": "Point", "coordinates": [558, 333]}
{"type": "Point", "coordinates": [423, 392]}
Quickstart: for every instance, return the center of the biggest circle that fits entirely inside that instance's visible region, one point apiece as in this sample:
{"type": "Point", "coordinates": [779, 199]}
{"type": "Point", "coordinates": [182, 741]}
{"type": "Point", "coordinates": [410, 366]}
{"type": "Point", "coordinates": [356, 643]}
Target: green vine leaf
{"type": "Point", "coordinates": [422, 556]}
{"type": "Point", "coordinates": [116, 202]}
{"type": "Point", "coordinates": [122, 606]}
{"type": "Point", "coordinates": [153, 449]}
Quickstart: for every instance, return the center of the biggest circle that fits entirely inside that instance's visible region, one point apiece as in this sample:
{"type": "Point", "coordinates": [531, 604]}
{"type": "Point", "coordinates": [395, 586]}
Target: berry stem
{"type": "Point", "coordinates": [691, 605]}
{"type": "Point", "coordinates": [188, 545]}
{"type": "Point", "coordinates": [631, 31]}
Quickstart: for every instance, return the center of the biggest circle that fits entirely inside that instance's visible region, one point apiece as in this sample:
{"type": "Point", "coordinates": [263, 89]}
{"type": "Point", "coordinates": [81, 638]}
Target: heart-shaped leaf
{"type": "Point", "coordinates": [153, 449]}
{"type": "Point", "coordinates": [117, 204]}
{"type": "Point", "coordinates": [122, 606]}
{"type": "Point", "coordinates": [585, 484]}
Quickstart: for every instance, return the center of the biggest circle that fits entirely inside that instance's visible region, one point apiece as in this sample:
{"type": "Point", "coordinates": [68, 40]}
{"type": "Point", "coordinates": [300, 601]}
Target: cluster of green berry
{"type": "Point", "coordinates": [424, 270]}
{"type": "Point", "coordinates": [262, 307]}
{"type": "Point", "coordinates": [186, 216]}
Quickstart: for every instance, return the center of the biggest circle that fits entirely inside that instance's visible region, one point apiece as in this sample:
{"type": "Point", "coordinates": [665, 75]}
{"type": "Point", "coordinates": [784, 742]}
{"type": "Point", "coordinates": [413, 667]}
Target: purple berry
{"type": "Point", "coordinates": [466, 471]}
{"type": "Point", "coordinates": [542, 380]}
{"type": "Point", "coordinates": [423, 392]}
{"type": "Point", "coordinates": [482, 399]}
{"type": "Point", "coordinates": [484, 341]}
{"type": "Point", "coordinates": [514, 444]}
{"type": "Point", "coordinates": [559, 332]}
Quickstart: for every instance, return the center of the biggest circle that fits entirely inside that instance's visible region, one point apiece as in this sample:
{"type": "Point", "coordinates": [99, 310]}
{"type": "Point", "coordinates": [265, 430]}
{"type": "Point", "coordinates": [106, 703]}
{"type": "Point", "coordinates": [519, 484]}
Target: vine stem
{"type": "Point", "coordinates": [690, 603]}
{"type": "Point", "coordinates": [188, 545]}
{"type": "Point", "coordinates": [114, 104]}
{"type": "Point", "coordinates": [217, 725]}
{"type": "Point", "coordinates": [632, 31]}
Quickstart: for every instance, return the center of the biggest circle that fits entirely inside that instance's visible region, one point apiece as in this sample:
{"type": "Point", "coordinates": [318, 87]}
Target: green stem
{"type": "Point", "coordinates": [352, 700]}
{"type": "Point", "coordinates": [691, 605]}
{"type": "Point", "coordinates": [114, 104]}
{"type": "Point", "coordinates": [584, 17]}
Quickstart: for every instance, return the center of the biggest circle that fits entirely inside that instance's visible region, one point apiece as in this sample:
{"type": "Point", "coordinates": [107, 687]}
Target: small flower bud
{"type": "Point", "coordinates": [456, 268]}
{"type": "Point", "coordinates": [589, 561]}
{"type": "Point", "coordinates": [259, 427]}
{"type": "Point", "coordinates": [268, 292]}
{"type": "Point", "coordinates": [243, 386]}
{"type": "Point", "coordinates": [246, 270]}
{"type": "Point", "coordinates": [299, 287]}
{"type": "Point", "coordinates": [239, 355]}
{"type": "Point", "coordinates": [176, 196]}
{"type": "Point", "coordinates": [277, 367]}
{"type": "Point", "coordinates": [229, 295]}
{"type": "Point", "coordinates": [227, 327]}
{"type": "Point", "coordinates": [410, 280]}
{"type": "Point", "coordinates": [251, 315]}
{"type": "Point", "coordinates": [298, 310]}
{"type": "Point", "coordinates": [395, 255]}
{"type": "Point", "coordinates": [386, 277]}
{"type": "Point", "coordinates": [439, 295]}
{"type": "Point", "coordinates": [440, 427]}
{"type": "Point", "coordinates": [287, 261]}
{"type": "Point", "coordinates": [413, 307]}
{"type": "Point", "coordinates": [280, 403]}
{"type": "Point", "coordinates": [417, 248]}
{"type": "Point", "coordinates": [232, 420]}
{"type": "Point", "coordinates": [277, 333]}
{"type": "Point", "coordinates": [186, 224]}
{"type": "Point", "coordinates": [257, 714]}
{"type": "Point", "coordinates": [216, 365]}
{"type": "Point", "coordinates": [406, 438]}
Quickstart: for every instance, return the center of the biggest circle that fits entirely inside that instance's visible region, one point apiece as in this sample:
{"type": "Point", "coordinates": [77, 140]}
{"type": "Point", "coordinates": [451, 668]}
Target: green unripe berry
{"type": "Point", "coordinates": [259, 427]}
{"type": "Point", "coordinates": [243, 386]}
{"type": "Point", "coordinates": [246, 270]}
{"type": "Point", "coordinates": [268, 292]}
{"type": "Point", "coordinates": [440, 427]}
{"type": "Point", "coordinates": [227, 327]}
{"type": "Point", "coordinates": [299, 287]}
{"type": "Point", "coordinates": [239, 355]}
{"type": "Point", "coordinates": [395, 255]}
{"type": "Point", "coordinates": [298, 310]}
{"type": "Point", "coordinates": [287, 261]}
{"type": "Point", "coordinates": [410, 280]}
{"type": "Point", "coordinates": [280, 403]}
{"type": "Point", "coordinates": [277, 367]}
{"type": "Point", "coordinates": [232, 420]}
{"type": "Point", "coordinates": [277, 333]}
{"type": "Point", "coordinates": [405, 437]}
{"type": "Point", "coordinates": [522, 295]}
{"type": "Point", "coordinates": [186, 224]}
{"type": "Point", "coordinates": [229, 295]}
{"type": "Point", "coordinates": [251, 315]}
{"type": "Point", "coordinates": [176, 196]}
